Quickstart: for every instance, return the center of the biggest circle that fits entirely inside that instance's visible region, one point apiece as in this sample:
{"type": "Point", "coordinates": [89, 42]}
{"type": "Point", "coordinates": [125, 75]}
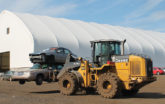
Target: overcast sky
{"type": "Point", "coordinates": [143, 14]}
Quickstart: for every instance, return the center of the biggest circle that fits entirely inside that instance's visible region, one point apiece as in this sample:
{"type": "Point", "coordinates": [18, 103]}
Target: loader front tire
{"type": "Point", "coordinates": [108, 85]}
{"type": "Point", "coordinates": [68, 84]}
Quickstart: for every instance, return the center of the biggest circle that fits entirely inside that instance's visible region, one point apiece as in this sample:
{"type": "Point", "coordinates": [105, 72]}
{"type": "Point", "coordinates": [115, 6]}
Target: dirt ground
{"type": "Point", "coordinates": [13, 93]}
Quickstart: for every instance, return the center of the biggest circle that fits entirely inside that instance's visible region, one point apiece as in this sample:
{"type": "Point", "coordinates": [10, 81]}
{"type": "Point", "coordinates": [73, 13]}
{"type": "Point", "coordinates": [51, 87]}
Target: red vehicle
{"type": "Point", "coordinates": [157, 71]}
{"type": "Point", "coordinates": [163, 68]}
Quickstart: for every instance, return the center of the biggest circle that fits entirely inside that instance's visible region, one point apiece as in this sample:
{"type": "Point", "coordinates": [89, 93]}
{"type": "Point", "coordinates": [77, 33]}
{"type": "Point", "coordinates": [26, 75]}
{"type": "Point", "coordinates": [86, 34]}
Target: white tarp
{"type": "Point", "coordinates": [75, 35]}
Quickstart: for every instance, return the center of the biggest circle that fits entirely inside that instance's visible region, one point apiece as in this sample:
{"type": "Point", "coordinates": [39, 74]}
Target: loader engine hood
{"type": "Point", "coordinates": [140, 65]}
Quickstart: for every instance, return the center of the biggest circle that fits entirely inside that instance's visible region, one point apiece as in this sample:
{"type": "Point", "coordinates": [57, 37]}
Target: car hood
{"type": "Point", "coordinates": [35, 53]}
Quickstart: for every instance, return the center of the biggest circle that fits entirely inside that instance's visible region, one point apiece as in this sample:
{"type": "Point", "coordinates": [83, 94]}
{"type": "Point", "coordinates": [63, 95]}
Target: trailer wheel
{"type": "Point", "coordinates": [68, 84]}
{"type": "Point", "coordinates": [108, 85]}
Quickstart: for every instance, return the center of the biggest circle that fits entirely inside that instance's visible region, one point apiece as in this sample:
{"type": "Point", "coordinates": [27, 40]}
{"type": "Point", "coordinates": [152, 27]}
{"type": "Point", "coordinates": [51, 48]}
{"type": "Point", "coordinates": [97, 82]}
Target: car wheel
{"type": "Point", "coordinates": [158, 73]}
{"type": "Point", "coordinates": [39, 80]}
{"type": "Point", "coordinates": [21, 82]}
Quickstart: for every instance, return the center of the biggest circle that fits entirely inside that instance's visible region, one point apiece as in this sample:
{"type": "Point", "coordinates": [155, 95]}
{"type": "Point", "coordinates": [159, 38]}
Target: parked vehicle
{"type": "Point", "coordinates": [163, 68]}
{"type": "Point", "coordinates": [54, 55]}
{"type": "Point", "coordinates": [40, 72]}
{"type": "Point", "coordinates": [157, 71]}
{"type": "Point", "coordinates": [37, 73]}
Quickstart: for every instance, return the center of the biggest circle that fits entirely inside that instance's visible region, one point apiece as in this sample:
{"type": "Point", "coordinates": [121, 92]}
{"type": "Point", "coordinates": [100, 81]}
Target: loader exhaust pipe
{"type": "Point", "coordinates": [122, 47]}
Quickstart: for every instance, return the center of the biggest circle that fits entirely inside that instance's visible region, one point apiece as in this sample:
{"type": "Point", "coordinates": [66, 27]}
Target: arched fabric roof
{"type": "Point", "coordinates": [75, 35]}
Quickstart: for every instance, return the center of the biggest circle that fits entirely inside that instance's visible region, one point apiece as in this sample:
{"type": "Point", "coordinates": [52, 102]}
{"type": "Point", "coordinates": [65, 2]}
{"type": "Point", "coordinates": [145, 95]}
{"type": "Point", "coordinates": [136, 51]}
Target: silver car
{"type": "Point", "coordinates": [37, 73]}
{"type": "Point", "coordinates": [54, 55]}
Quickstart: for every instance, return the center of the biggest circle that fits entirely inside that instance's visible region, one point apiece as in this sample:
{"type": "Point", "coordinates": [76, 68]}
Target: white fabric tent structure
{"type": "Point", "coordinates": [21, 34]}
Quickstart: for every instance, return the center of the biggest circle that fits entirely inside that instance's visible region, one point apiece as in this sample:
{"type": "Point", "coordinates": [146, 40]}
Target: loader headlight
{"type": "Point", "coordinates": [133, 78]}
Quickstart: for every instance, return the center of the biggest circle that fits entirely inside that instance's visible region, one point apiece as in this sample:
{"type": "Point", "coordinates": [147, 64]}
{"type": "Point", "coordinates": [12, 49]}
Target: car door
{"type": "Point", "coordinates": [154, 70]}
{"type": "Point", "coordinates": [59, 57]}
{"type": "Point", "coordinates": [46, 73]}
{"type": "Point", "coordinates": [66, 52]}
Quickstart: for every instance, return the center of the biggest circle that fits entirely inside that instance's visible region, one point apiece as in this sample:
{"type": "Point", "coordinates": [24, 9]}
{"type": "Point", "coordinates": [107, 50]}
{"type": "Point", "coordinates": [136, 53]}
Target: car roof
{"type": "Point", "coordinates": [156, 67]}
{"type": "Point", "coordinates": [58, 48]}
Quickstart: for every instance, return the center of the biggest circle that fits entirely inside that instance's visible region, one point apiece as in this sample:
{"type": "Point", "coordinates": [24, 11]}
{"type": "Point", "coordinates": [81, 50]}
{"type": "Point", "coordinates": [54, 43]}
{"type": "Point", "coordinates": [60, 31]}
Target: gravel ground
{"type": "Point", "coordinates": [48, 93]}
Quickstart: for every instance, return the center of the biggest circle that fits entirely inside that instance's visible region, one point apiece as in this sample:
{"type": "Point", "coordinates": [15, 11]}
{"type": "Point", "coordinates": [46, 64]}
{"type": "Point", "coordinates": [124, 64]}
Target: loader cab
{"type": "Point", "coordinates": [102, 50]}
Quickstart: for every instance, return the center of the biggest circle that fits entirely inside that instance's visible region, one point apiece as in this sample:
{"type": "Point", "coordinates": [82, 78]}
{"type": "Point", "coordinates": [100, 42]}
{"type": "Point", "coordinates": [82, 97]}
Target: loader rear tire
{"type": "Point", "coordinates": [108, 85]}
{"type": "Point", "coordinates": [68, 84]}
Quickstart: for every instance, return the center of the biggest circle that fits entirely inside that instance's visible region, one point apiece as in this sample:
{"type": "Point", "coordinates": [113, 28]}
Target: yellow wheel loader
{"type": "Point", "coordinates": [111, 73]}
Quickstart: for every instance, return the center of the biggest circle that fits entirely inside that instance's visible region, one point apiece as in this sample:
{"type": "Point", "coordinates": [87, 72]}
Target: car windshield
{"type": "Point", "coordinates": [163, 68]}
{"type": "Point", "coordinates": [45, 50]}
{"type": "Point", "coordinates": [36, 66]}
{"type": "Point", "coordinates": [44, 66]}
{"type": "Point", "coordinates": [49, 50]}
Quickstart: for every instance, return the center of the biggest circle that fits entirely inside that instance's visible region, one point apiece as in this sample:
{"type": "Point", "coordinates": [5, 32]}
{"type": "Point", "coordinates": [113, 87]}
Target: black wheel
{"type": "Point", "coordinates": [158, 73]}
{"type": "Point", "coordinates": [130, 92]}
{"type": "Point", "coordinates": [22, 82]}
{"type": "Point", "coordinates": [68, 84]}
{"type": "Point", "coordinates": [108, 85]}
{"type": "Point", "coordinates": [39, 80]}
